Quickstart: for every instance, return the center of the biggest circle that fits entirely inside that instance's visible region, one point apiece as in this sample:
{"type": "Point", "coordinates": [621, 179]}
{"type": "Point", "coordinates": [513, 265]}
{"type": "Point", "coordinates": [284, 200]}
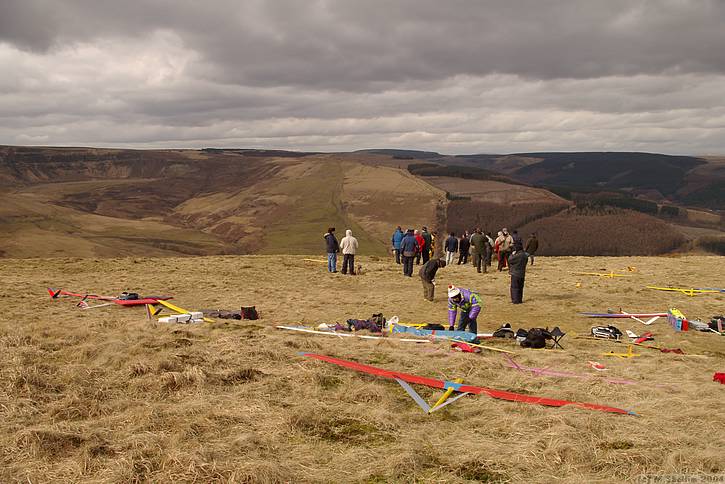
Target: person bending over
{"type": "Point", "coordinates": [470, 304]}
{"type": "Point", "coordinates": [428, 275]}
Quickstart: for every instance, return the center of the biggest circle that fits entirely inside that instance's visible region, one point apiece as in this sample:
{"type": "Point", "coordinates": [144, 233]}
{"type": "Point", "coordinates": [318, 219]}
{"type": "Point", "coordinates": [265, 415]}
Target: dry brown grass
{"type": "Point", "coordinates": [106, 396]}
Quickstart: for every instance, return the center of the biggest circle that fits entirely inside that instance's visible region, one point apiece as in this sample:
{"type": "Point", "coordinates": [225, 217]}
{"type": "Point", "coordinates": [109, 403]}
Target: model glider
{"type": "Point", "coordinates": [120, 300]}
{"type": "Point", "coordinates": [689, 292]}
{"type": "Point", "coordinates": [640, 317]}
{"type": "Point", "coordinates": [393, 322]}
{"type": "Point", "coordinates": [628, 354]}
{"type": "Point", "coordinates": [435, 334]}
{"type": "Point", "coordinates": [405, 379]}
{"type": "Point", "coordinates": [349, 335]}
{"type": "Point", "coordinates": [154, 308]}
{"type": "Point", "coordinates": [611, 275]}
{"type": "Point", "coordinates": [563, 374]}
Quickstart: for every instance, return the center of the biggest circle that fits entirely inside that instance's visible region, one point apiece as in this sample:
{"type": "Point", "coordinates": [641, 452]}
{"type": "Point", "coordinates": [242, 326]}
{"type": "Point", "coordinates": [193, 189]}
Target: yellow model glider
{"type": "Point", "coordinates": [601, 274]}
{"type": "Point", "coordinates": [688, 292]}
{"type": "Point", "coordinates": [628, 354]}
{"type": "Point", "coordinates": [154, 311]}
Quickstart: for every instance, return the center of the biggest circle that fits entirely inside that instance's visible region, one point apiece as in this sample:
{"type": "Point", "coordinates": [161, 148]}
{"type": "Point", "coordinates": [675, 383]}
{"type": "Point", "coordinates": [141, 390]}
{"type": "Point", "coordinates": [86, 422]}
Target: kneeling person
{"type": "Point", "coordinates": [428, 275]}
{"type": "Point", "coordinates": [470, 304]}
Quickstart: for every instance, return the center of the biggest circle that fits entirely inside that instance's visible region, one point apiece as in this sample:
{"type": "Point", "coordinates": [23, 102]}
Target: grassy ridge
{"type": "Point", "coordinates": [300, 229]}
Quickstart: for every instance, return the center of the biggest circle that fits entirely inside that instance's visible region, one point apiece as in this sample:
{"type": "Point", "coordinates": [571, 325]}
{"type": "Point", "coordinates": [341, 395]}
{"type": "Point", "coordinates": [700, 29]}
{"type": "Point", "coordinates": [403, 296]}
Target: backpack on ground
{"type": "Point", "coordinates": [504, 331]}
{"type": "Point", "coordinates": [378, 319]}
{"type": "Point", "coordinates": [249, 312]}
{"type": "Point", "coordinates": [536, 338]}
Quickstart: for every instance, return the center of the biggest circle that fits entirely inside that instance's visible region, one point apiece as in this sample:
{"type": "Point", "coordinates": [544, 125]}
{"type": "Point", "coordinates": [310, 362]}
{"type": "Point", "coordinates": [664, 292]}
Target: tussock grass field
{"type": "Point", "coordinates": [104, 395]}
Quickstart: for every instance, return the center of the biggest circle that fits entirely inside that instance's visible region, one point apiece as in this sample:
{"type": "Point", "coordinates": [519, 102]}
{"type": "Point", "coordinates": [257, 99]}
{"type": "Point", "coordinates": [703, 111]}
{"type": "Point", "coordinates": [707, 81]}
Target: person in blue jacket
{"type": "Point", "coordinates": [408, 248]}
{"type": "Point", "coordinates": [396, 240]}
{"type": "Point", "coordinates": [470, 304]}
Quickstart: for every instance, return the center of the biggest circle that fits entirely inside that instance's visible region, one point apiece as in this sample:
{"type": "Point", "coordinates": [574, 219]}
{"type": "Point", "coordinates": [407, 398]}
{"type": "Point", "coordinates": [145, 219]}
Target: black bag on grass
{"type": "Point", "coordinates": [504, 331]}
{"type": "Point", "coordinates": [378, 319]}
{"type": "Point", "coordinates": [536, 338]}
{"type": "Point", "coordinates": [249, 312]}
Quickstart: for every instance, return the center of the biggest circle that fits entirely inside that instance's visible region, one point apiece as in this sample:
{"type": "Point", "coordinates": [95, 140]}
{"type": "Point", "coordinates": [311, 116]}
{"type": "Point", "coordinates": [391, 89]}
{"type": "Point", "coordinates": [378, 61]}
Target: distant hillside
{"type": "Point", "coordinates": [683, 180]}
{"type": "Point", "coordinates": [100, 202]}
{"type": "Point", "coordinates": [404, 154]}
{"type": "Point", "coordinates": [90, 202]}
{"type": "Point", "coordinates": [634, 171]}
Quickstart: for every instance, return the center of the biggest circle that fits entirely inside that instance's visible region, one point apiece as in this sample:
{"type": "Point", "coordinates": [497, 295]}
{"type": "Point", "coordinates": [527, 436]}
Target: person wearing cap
{"type": "Point", "coordinates": [427, 276]}
{"type": "Point", "coordinates": [470, 304]}
{"type": "Point", "coordinates": [517, 270]}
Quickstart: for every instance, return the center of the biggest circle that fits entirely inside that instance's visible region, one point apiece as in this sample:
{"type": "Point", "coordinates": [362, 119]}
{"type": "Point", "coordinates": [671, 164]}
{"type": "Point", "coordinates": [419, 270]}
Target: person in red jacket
{"type": "Point", "coordinates": [422, 246]}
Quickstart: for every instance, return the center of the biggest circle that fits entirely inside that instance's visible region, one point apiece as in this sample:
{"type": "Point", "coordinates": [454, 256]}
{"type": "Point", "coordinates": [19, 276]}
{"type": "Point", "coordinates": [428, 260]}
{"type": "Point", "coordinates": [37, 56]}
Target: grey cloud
{"type": "Point", "coordinates": [456, 77]}
{"type": "Point", "coordinates": [353, 45]}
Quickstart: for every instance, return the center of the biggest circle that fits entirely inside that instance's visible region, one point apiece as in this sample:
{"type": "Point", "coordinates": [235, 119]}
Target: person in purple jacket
{"type": "Point", "coordinates": [470, 304]}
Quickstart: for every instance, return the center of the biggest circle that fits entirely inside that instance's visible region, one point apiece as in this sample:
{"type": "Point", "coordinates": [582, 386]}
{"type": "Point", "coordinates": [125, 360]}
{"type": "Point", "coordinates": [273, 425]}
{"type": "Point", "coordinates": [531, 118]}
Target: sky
{"type": "Point", "coordinates": [456, 76]}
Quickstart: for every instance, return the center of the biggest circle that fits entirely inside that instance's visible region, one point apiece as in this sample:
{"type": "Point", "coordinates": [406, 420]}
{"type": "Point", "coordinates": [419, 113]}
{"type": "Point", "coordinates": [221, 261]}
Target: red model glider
{"type": "Point", "coordinates": [56, 293]}
{"type": "Point", "coordinates": [461, 388]}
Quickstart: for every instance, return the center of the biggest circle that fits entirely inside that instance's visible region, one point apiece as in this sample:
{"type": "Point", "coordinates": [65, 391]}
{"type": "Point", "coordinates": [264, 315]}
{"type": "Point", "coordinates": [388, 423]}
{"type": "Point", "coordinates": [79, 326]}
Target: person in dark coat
{"type": "Point", "coordinates": [517, 270]}
{"type": "Point", "coordinates": [332, 249]}
{"type": "Point", "coordinates": [428, 249]}
{"type": "Point", "coordinates": [396, 239]}
{"type": "Point", "coordinates": [516, 238]}
{"type": "Point", "coordinates": [489, 250]}
{"type": "Point", "coordinates": [478, 250]}
{"type": "Point", "coordinates": [408, 248]}
{"type": "Point", "coordinates": [532, 245]}
{"type": "Point", "coordinates": [451, 247]}
{"type": "Point", "coordinates": [464, 246]}
{"type": "Point", "coordinates": [427, 276]}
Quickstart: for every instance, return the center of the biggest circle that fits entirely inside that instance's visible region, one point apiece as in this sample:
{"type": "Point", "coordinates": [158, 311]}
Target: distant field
{"type": "Point", "coordinates": [104, 395]}
{"type": "Point", "coordinates": [494, 191]}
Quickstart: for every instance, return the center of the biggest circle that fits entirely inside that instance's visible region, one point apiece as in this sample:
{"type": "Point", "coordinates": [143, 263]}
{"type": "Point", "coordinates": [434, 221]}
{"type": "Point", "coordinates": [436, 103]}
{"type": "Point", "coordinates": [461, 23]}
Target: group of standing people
{"type": "Point", "coordinates": [412, 246]}
{"type": "Point", "coordinates": [482, 248]}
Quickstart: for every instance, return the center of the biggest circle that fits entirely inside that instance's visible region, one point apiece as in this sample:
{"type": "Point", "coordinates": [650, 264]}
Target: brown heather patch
{"type": "Point", "coordinates": [106, 396]}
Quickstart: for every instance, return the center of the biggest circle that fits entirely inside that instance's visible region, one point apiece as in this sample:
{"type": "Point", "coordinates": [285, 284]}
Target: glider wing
{"type": "Point", "coordinates": [459, 387]}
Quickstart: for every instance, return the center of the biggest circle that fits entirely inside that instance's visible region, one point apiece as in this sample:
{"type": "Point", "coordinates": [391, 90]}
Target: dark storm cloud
{"type": "Point", "coordinates": [355, 44]}
{"type": "Point", "coordinates": [456, 76]}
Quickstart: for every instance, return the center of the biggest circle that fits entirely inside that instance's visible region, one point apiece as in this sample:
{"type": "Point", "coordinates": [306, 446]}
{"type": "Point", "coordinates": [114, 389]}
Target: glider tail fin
{"type": "Point", "coordinates": [53, 293]}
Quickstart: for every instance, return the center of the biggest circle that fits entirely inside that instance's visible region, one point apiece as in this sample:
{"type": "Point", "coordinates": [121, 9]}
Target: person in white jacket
{"type": "Point", "coordinates": [348, 247]}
